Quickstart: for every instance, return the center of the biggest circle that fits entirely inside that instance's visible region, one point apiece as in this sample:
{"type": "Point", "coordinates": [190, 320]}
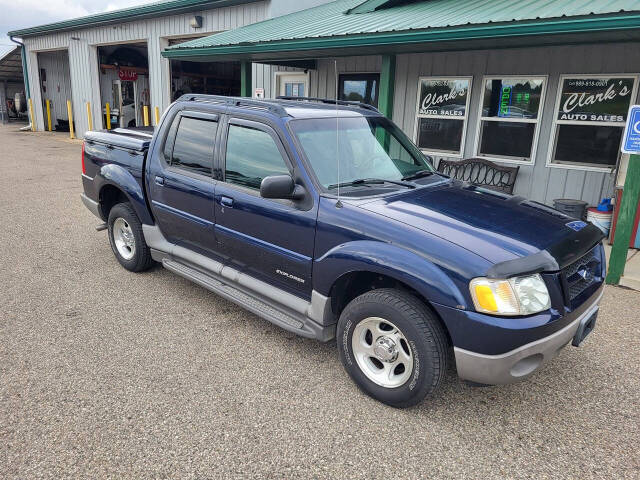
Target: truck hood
{"type": "Point", "coordinates": [496, 226]}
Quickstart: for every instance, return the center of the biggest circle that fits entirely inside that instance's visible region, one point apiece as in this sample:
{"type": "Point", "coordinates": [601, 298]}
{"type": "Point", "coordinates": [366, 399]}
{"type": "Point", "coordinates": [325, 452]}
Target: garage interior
{"type": "Point", "coordinates": [55, 87]}
{"type": "Point", "coordinates": [214, 78]}
{"type": "Point", "coordinates": [13, 104]}
{"type": "Point", "coordinates": [124, 83]}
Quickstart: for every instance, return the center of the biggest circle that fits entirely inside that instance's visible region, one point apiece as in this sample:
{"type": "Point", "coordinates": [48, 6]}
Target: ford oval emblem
{"type": "Point", "coordinates": [577, 225]}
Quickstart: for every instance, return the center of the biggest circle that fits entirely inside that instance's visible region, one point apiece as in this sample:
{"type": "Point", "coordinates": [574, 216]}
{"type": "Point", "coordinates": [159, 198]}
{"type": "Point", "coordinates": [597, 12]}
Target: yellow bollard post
{"type": "Point", "coordinates": [145, 111]}
{"type": "Point", "coordinates": [70, 112]}
{"type": "Point", "coordinates": [49, 115]}
{"type": "Point", "coordinates": [157, 116]}
{"type": "Point", "coordinates": [89, 116]}
{"type": "Point", "coordinates": [108, 117]}
{"type": "Point", "coordinates": [33, 119]}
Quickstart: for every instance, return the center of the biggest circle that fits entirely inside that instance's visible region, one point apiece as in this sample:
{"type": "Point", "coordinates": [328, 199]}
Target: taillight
{"type": "Point", "coordinates": [84, 171]}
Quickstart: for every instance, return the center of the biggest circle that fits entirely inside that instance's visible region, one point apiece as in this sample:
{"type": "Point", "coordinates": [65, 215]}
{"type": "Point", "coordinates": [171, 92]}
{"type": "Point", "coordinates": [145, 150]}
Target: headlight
{"type": "Point", "coordinates": [514, 296]}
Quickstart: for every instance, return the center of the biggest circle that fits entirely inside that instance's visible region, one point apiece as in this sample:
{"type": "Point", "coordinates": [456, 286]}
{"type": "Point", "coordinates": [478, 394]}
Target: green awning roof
{"type": "Point", "coordinates": [156, 9]}
{"type": "Point", "coordinates": [356, 23]}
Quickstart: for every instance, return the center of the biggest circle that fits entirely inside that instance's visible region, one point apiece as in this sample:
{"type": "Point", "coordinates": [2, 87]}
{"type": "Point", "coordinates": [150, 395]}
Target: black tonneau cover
{"type": "Point", "coordinates": [130, 138]}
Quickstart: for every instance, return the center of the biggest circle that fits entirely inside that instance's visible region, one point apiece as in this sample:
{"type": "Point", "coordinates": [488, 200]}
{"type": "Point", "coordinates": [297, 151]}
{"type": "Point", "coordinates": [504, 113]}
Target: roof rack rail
{"type": "Point", "coordinates": [330, 101]}
{"type": "Point", "coordinates": [235, 102]}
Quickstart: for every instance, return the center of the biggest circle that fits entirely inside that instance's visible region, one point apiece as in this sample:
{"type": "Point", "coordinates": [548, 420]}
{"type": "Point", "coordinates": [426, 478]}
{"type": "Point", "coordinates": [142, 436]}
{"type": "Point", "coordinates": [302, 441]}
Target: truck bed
{"type": "Point", "coordinates": [137, 139]}
{"type": "Point", "coordinates": [116, 157]}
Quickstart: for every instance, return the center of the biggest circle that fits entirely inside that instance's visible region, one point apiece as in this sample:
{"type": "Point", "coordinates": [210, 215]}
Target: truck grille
{"type": "Point", "coordinates": [582, 273]}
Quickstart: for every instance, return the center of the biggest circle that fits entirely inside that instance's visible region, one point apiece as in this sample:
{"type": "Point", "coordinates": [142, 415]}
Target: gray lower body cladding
{"type": "Point", "coordinates": [312, 319]}
{"type": "Point", "coordinates": [93, 206]}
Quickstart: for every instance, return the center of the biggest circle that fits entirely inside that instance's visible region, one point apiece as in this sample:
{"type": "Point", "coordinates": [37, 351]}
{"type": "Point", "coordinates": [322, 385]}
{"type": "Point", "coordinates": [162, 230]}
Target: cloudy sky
{"type": "Point", "coordinates": [28, 13]}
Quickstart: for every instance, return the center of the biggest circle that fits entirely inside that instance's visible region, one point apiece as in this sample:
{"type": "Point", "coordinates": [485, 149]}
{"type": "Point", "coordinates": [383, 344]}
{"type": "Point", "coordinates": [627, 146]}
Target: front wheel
{"type": "Point", "coordinates": [127, 240]}
{"type": "Point", "coordinates": [392, 346]}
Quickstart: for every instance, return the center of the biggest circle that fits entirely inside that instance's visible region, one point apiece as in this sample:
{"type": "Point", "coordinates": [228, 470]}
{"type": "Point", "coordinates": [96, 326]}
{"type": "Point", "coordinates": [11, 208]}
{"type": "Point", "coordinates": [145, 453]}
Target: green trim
{"type": "Point", "coordinates": [387, 82]}
{"type": "Point", "coordinates": [516, 29]}
{"type": "Point", "coordinates": [25, 72]}
{"type": "Point", "coordinates": [624, 225]}
{"type": "Point", "coordinates": [245, 80]}
{"type": "Point", "coordinates": [151, 10]}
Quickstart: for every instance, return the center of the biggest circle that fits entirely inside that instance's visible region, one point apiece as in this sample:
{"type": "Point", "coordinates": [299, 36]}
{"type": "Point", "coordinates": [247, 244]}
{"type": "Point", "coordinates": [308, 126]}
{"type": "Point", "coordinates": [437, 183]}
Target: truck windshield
{"type": "Point", "coordinates": [344, 151]}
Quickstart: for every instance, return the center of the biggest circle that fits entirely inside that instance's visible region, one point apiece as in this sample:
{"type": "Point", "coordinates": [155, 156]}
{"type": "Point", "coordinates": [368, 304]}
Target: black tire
{"type": "Point", "coordinates": [141, 259]}
{"type": "Point", "coordinates": [424, 334]}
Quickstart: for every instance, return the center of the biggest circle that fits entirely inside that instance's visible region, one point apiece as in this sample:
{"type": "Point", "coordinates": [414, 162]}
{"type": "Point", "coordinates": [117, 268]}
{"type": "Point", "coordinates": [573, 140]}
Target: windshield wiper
{"type": "Point", "coordinates": [368, 181]}
{"type": "Point", "coordinates": [419, 174]}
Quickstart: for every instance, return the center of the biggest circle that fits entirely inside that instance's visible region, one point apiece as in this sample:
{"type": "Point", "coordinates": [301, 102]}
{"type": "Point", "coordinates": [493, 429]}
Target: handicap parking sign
{"type": "Point", "coordinates": [631, 138]}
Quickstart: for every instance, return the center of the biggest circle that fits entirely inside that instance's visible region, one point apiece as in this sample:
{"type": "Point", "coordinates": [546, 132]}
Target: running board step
{"type": "Point", "coordinates": [255, 305]}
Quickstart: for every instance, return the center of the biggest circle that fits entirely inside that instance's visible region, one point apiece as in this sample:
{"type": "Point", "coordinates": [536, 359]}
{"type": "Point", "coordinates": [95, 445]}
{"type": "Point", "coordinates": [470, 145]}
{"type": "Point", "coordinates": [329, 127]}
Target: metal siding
{"type": "Point", "coordinates": [153, 31]}
{"type": "Point", "coordinates": [323, 80]}
{"type": "Point", "coordinates": [56, 65]}
{"type": "Point", "coordinates": [263, 77]}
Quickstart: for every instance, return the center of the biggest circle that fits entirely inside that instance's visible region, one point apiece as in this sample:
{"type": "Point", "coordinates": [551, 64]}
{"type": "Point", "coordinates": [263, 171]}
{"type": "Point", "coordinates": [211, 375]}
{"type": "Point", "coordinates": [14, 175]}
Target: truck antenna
{"type": "Point", "coordinates": [335, 67]}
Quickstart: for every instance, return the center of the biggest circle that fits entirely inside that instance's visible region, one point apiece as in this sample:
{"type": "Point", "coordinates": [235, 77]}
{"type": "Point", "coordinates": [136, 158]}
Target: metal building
{"type": "Point", "coordinates": [115, 58]}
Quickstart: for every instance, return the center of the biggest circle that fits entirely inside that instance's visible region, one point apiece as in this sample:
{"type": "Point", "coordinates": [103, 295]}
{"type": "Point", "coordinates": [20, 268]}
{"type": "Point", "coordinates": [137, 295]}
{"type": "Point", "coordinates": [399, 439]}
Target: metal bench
{"type": "Point", "coordinates": [481, 172]}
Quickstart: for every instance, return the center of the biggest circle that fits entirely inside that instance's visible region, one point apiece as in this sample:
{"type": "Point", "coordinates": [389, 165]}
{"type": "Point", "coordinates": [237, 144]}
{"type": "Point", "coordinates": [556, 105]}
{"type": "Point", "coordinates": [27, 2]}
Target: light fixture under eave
{"type": "Point", "coordinates": [196, 21]}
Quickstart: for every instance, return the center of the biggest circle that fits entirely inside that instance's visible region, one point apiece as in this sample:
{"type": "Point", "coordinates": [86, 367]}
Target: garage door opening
{"type": "Point", "coordinates": [219, 78]}
{"type": "Point", "coordinates": [124, 84]}
{"type": "Point", "coordinates": [55, 87]}
{"type": "Point", "coordinates": [213, 78]}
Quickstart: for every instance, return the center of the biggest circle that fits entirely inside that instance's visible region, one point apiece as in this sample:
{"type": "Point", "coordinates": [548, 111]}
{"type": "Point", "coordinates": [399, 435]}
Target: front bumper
{"type": "Point", "coordinates": [519, 363]}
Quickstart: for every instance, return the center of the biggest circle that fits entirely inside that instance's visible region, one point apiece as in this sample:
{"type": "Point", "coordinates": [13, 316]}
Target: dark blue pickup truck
{"type": "Point", "coordinates": [325, 219]}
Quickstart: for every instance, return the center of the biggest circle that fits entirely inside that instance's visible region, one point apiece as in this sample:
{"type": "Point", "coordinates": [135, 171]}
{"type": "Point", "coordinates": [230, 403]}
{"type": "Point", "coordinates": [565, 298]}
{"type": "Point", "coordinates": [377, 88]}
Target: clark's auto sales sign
{"type": "Point", "coordinates": [595, 99]}
{"type": "Point", "coordinates": [443, 98]}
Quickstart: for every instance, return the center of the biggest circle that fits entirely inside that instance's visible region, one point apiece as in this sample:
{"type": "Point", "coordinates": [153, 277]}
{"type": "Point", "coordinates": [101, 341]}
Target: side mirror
{"type": "Point", "coordinates": [281, 186]}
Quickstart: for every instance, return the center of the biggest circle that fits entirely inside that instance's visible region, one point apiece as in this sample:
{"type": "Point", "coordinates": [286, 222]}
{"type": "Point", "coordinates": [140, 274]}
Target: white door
{"type": "Point", "coordinates": [293, 84]}
{"type": "Point", "coordinates": [124, 94]}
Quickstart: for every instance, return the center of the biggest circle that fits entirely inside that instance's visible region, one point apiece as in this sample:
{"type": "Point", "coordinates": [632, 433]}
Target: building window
{"type": "Point", "coordinates": [443, 108]}
{"type": "Point", "coordinates": [590, 115]}
{"type": "Point", "coordinates": [510, 110]}
{"type": "Point", "coordinates": [359, 87]}
{"type": "Point", "coordinates": [294, 89]}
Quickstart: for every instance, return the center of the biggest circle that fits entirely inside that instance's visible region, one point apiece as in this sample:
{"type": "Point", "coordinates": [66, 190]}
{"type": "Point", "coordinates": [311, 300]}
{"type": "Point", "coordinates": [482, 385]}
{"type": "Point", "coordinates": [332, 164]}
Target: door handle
{"type": "Point", "coordinates": [160, 181]}
{"type": "Point", "coordinates": [226, 201]}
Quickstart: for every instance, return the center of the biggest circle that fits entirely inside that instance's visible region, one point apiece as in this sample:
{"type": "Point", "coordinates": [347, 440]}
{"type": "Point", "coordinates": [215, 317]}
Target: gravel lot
{"type": "Point", "coordinates": [109, 374]}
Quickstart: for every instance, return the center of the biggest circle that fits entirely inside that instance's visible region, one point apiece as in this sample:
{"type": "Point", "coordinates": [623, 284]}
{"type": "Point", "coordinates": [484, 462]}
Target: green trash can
{"type": "Point", "coordinates": [573, 208]}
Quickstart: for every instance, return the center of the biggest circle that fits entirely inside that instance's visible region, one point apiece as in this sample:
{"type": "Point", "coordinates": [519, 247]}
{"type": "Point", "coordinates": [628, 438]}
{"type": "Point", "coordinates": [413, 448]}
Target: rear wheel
{"type": "Point", "coordinates": [127, 240]}
{"type": "Point", "coordinates": [392, 346]}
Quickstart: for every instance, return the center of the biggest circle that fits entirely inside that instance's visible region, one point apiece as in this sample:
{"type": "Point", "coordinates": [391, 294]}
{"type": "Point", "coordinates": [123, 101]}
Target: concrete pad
{"type": "Point", "coordinates": [631, 277]}
{"type": "Point", "coordinates": [607, 252]}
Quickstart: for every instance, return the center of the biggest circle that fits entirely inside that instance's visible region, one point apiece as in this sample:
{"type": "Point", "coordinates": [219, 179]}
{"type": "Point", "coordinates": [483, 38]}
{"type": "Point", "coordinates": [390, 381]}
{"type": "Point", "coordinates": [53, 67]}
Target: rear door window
{"type": "Point", "coordinates": [194, 144]}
